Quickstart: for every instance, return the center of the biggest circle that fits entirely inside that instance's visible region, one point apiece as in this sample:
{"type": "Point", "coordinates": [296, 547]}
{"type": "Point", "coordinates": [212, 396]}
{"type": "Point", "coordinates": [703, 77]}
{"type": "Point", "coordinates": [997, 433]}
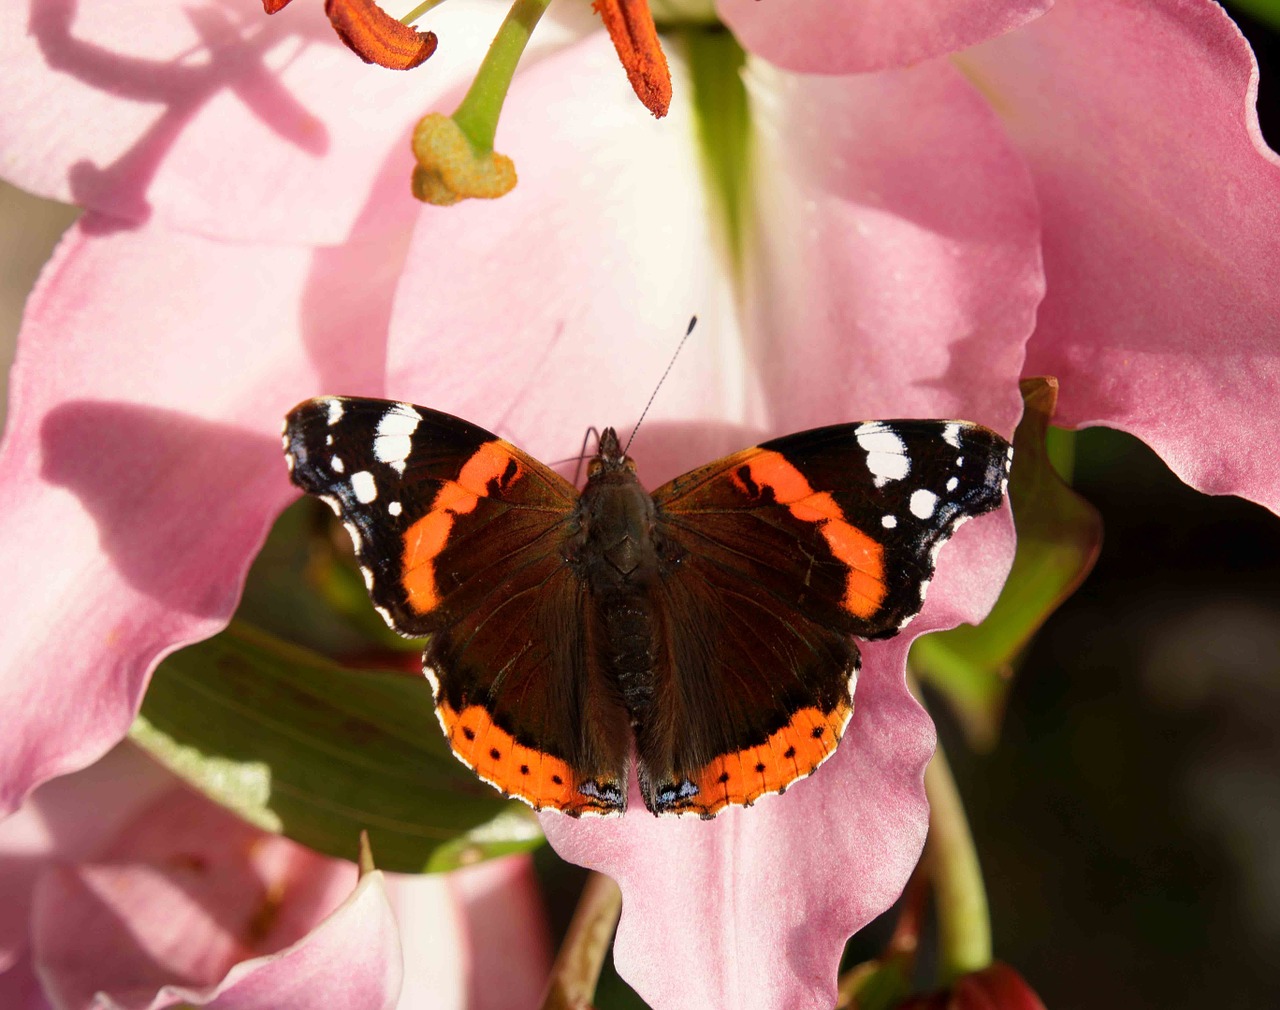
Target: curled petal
{"type": "Point", "coordinates": [141, 464]}
{"type": "Point", "coordinates": [844, 37]}
{"type": "Point", "coordinates": [376, 37]}
{"type": "Point", "coordinates": [1161, 207]}
{"type": "Point", "coordinates": [272, 6]}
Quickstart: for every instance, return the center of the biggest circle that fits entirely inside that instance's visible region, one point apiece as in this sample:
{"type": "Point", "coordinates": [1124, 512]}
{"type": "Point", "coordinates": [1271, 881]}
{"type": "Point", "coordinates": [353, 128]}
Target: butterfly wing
{"type": "Point", "coordinates": [459, 536]}
{"type": "Point", "coordinates": [785, 551]}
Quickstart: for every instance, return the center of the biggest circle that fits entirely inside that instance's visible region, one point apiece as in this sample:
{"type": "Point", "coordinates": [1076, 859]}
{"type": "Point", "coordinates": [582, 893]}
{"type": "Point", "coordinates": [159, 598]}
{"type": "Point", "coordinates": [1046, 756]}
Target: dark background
{"type": "Point", "coordinates": [1129, 820]}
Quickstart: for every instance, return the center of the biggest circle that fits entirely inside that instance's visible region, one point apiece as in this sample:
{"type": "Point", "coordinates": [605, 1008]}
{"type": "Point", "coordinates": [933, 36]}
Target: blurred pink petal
{"type": "Point", "coordinates": [1161, 208]}
{"type": "Point", "coordinates": [69, 818]}
{"type": "Point", "coordinates": [143, 456]}
{"type": "Point", "coordinates": [475, 939]}
{"type": "Point", "coordinates": [853, 36]}
{"type": "Point", "coordinates": [184, 893]}
{"type": "Point", "coordinates": [213, 118]}
{"type": "Point", "coordinates": [753, 909]}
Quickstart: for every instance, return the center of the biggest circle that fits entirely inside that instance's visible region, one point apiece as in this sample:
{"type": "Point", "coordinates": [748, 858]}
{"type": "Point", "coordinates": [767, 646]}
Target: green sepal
{"type": "Point", "coordinates": [298, 745]}
{"type": "Point", "coordinates": [875, 985]}
{"type": "Point", "coordinates": [1059, 536]}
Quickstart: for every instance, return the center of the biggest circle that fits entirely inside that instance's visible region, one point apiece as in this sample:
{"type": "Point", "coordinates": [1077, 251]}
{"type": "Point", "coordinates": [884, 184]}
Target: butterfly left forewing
{"type": "Point", "coordinates": [458, 534]}
{"type": "Point", "coordinates": [793, 546]}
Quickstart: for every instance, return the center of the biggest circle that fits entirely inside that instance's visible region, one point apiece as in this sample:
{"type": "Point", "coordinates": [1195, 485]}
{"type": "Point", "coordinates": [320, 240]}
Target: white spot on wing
{"type": "Point", "coordinates": [332, 502]}
{"type": "Point", "coordinates": [335, 411]}
{"type": "Point", "coordinates": [886, 452]}
{"type": "Point", "coordinates": [394, 508]}
{"type": "Point", "coordinates": [889, 522]}
{"type": "Point", "coordinates": [953, 483]}
{"type": "Point", "coordinates": [363, 486]}
{"type": "Point", "coordinates": [338, 465]}
{"type": "Point", "coordinates": [394, 440]}
{"type": "Point", "coordinates": [922, 503]}
{"type": "Point", "coordinates": [951, 435]}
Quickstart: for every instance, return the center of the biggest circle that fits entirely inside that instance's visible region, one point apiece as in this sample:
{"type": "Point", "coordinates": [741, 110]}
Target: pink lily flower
{"type": "Point", "coordinates": [249, 243]}
{"type": "Point", "coordinates": [124, 890]}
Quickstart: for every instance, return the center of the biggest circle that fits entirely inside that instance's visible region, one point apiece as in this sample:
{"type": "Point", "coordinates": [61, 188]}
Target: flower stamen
{"type": "Point", "coordinates": [373, 34]}
{"type": "Point", "coordinates": [635, 37]}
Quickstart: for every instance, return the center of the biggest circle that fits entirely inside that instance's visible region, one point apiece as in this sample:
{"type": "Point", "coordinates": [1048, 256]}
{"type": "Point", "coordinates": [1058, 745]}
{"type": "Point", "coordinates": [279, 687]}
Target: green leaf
{"type": "Point", "coordinates": [305, 587]}
{"type": "Point", "coordinates": [301, 746]}
{"type": "Point", "coordinates": [1059, 536]}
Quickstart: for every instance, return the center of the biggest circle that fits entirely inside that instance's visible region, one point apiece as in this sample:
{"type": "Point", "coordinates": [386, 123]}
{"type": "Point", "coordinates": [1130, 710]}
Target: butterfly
{"type": "Point", "coordinates": [710, 625]}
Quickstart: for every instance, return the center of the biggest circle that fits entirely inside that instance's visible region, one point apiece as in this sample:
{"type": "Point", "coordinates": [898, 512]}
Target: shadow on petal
{"type": "Point", "coordinates": [159, 485]}
{"type": "Point", "coordinates": [232, 60]}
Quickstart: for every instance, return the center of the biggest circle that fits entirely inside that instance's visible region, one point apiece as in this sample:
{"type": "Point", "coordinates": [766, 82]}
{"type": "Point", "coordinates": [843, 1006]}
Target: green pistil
{"type": "Point", "coordinates": [723, 124]}
{"type": "Point", "coordinates": [964, 921]}
{"type": "Point", "coordinates": [420, 10]}
{"type": "Point", "coordinates": [478, 113]}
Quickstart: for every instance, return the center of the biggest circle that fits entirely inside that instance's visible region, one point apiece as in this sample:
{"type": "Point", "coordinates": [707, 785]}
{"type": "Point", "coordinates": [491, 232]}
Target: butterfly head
{"type": "Point", "coordinates": [609, 457]}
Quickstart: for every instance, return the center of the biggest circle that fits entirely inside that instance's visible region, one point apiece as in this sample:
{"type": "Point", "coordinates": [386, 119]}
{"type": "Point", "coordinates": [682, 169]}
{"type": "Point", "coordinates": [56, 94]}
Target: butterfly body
{"type": "Point", "coordinates": [706, 628]}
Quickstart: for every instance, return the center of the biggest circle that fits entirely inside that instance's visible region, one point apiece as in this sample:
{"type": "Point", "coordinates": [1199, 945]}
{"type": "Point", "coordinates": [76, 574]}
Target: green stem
{"type": "Point", "coordinates": [577, 968]}
{"type": "Point", "coordinates": [477, 115]}
{"type": "Point", "coordinates": [964, 921]}
{"type": "Point", "coordinates": [420, 10]}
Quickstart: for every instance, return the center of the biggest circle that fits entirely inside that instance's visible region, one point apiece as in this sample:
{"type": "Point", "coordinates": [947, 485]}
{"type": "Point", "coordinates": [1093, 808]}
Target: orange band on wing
{"type": "Point", "coordinates": [864, 587]}
{"type": "Point", "coordinates": [539, 779]}
{"type": "Point", "coordinates": [794, 751]}
{"type": "Point", "coordinates": [425, 539]}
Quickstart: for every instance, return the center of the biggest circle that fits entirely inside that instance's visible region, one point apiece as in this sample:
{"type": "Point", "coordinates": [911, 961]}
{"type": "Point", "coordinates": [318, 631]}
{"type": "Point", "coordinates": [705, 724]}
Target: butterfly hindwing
{"type": "Point", "coordinates": [458, 534]}
{"type": "Point", "coordinates": [786, 549]}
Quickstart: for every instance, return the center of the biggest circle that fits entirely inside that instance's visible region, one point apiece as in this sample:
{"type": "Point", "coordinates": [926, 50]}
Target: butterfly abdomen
{"type": "Point", "coordinates": [614, 553]}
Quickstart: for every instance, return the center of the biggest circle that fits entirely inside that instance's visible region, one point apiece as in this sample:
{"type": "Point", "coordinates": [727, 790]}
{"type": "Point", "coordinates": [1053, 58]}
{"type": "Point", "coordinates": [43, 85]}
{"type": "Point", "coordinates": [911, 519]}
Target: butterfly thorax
{"type": "Point", "coordinates": [617, 553]}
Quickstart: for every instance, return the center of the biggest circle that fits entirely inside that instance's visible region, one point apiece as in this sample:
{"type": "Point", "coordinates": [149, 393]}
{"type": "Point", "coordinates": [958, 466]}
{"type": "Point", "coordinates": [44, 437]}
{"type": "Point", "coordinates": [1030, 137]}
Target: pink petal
{"type": "Point", "coordinates": [852, 36]}
{"type": "Point", "coordinates": [897, 265]}
{"type": "Point", "coordinates": [142, 464]}
{"type": "Point", "coordinates": [187, 891]}
{"type": "Point", "coordinates": [1161, 211]}
{"type": "Point", "coordinates": [214, 117]}
{"type": "Point", "coordinates": [752, 910]}
{"type": "Point", "coordinates": [71, 817]}
{"type": "Point", "coordinates": [556, 307]}
{"type": "Point", "coordinates": [477, 938]}
{"type": "Point", "coordinates": [20, 988]}
{"type": "Point", "coordinates": [932, 205]}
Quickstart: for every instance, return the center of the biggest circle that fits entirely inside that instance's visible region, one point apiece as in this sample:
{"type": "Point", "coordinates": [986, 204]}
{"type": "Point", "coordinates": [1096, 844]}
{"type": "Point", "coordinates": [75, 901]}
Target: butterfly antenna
{"type": "Point", "coordinates": [693, 321]}
{"type": "Point", "coordinates": [582, 454]}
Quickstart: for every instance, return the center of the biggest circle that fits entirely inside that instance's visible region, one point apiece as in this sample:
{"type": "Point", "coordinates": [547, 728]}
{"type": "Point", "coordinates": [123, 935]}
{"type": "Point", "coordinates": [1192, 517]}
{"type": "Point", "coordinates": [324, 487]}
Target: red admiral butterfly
{"type": "Point", "coordinates": [709, 622]}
